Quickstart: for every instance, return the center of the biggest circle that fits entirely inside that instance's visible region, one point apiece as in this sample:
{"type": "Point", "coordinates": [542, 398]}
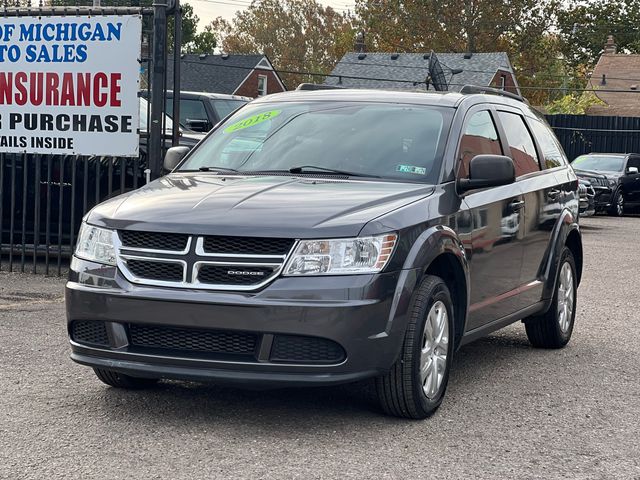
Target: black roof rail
{"type": "Point", "coordinates": [317, 86]}
{"type": "Point", "coordinates": [468, 89]}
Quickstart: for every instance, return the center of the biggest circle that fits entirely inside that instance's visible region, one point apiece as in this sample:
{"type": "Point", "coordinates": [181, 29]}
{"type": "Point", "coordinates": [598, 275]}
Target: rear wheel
{"type": "Point", "coordinates": [415, 385]}
{"type": "Point", "coordinates": [554, 328]}
{"type": "Point", "coordinates": [120, 380]}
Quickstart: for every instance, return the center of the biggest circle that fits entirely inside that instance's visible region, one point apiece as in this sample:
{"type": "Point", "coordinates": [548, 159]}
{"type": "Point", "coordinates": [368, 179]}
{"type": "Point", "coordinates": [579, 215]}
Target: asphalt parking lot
{"type": "Point", "coordinates": [510, 411]}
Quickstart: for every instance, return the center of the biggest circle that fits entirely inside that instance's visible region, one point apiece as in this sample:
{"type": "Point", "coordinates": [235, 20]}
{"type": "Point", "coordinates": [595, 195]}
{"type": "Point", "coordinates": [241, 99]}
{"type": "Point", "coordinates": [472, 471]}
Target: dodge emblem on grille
{"type": "Point", "coordinates": [244, 272]}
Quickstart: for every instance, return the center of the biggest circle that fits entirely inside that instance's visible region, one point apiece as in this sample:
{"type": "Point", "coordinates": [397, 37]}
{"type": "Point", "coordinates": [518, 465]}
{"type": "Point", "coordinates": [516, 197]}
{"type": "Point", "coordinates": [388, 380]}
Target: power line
{"type": "Point", "coordinates": [415, 83]}
{"type": "Point", "coordinates": [416, 67]}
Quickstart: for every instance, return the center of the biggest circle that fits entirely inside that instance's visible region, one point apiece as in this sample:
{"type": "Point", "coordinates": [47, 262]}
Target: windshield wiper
{"type": "Point", "coordinates": [302, 168]}
{"type": "Point", "coordinates": [218, 169]}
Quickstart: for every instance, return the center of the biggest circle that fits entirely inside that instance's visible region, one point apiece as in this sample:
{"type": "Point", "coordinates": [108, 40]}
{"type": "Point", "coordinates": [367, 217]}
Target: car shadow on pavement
{"type": "Point", "coordinates": [299, 408]}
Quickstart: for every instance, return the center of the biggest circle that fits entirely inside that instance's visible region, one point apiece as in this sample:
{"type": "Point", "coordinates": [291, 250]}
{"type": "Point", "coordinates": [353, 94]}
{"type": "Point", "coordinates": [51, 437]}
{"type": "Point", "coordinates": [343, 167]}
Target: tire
{"type": "Point", "coordinates": [401, 391]}
{"type": "Point", "coordinates": [120, 380]}
{"type": "Point", "coordinates": [554, 328]}
{"type": "Point", "coordinates": [618, 204]}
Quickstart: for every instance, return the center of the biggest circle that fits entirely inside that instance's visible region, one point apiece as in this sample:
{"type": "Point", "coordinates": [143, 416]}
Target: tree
{"type": "Point", "coordinates": [203, 42]}
{"type": "Point", "coordinates": [445, 25]}
{"type": "Point", "coordinates": [574, 104]}
{"type": "Point", "coordinates": [297, 35]}
{"type": "Point", "coordinates": [584, 28]}
{"type": "Point", "coordinates": [520, 28]}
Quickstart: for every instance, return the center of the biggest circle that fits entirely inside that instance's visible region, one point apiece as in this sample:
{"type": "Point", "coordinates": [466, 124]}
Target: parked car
{"type": "Point", "coordinates": [324, 237]}
{"type": "Point", "coordinates": [200, 111]}
{"type": "Point", "coordinates": [615, 178]}
{"type": "Point", "coordinates": [587, 198]}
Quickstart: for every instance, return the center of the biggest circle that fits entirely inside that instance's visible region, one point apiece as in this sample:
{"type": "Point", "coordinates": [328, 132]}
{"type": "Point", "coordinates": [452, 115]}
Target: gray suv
{"type": "Point", "coordinates": [323, 237]}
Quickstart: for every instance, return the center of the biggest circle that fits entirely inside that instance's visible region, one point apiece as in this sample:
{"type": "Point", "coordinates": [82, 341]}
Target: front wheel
{"type": "Point", "coordinates": [554, 328]}
{"type": "Point", "coordinates": [415, 385]}
{"type": "Point", "coordinates": [618, 204]}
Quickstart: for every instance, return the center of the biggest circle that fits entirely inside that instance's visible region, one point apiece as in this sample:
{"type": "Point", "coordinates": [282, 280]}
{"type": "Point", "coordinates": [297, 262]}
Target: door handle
{"type": "Point", "coordinates": [553, 194]}
{"type": "Point", "coordinates": [516, 205]}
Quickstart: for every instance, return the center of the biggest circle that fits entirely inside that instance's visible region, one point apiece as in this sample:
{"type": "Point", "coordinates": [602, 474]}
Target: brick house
{"type": "Point", "coordinates": [407, 71]}
{"type": "Point", "coordinates": [616, 71]}
{"type": "Point", "coordinates": [247, 75]}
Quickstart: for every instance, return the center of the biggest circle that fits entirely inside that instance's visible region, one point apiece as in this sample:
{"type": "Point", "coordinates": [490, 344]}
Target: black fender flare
{"type": "Point", "coordinates": [427, 247]}
{"type": "Point", "coordinates": [564, 227]}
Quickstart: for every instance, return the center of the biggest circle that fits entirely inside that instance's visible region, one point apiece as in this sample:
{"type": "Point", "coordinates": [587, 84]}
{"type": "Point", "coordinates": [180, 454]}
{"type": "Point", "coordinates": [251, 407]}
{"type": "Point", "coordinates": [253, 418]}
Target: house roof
{"type": "Point", "coordinates": [213, 73]}
{"type": "Point", "coordinates": [621, 73]}
{"type": "Point", "coordinates": [381, 71]}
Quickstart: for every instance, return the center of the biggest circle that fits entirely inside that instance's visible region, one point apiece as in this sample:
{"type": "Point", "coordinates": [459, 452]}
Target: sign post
{"type": "Point", "coordinates": [69, 85]}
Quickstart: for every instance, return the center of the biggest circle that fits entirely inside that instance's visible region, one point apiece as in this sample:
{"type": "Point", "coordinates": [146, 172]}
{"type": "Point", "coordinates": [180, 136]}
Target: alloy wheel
{"type": "Point", "coordinates": [435, 347]}
{"type": "Point", "coordinates": [566, 297]}
{"type": "Point", "coordinates": [620, 204]}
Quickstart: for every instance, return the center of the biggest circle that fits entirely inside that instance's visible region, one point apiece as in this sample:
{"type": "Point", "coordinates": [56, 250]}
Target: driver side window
{"type": "Point", "coordinates": [633, 162]}
{"type": "Point", "coordinates": [480, 137]}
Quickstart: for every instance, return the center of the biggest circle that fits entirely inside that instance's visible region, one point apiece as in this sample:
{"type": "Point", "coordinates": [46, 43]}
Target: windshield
{"type": "Point", "coordinates": [369, 139]}
{"type": "Point", "coordinates": [225, 107]}
{"type": "Point", "coordinates": [599, 163]}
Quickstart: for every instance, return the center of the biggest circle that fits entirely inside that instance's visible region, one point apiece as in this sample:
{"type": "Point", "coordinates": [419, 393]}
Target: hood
{"type": "Point", "coordinates": [278, 206]}
{"type": "Point", "coordinates": [601, 179]}
{"type": "Point", "coordinates": [600, 174]}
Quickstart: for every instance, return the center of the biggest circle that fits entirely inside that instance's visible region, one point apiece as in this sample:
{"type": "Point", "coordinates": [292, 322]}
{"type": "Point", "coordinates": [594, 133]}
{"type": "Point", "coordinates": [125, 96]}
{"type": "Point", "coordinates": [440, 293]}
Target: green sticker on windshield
{"type": "Point", "coordinates": [411, 169]}
{"type": "Point", "coordinates": [253, 120]}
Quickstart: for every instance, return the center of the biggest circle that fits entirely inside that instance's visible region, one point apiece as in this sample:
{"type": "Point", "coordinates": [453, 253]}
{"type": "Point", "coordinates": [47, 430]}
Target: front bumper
{"type": "Point", "coordinates": [603, 198]}
{"type": "Point", "coordinates": [366, 315]}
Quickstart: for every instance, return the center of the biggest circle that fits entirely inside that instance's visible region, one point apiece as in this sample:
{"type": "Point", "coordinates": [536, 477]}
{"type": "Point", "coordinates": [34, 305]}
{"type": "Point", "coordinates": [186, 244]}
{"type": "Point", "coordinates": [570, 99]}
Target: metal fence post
{"type": "Point", "coordinates": [177, 47]}
{"type": "Point", "coordinates": [156, 135]}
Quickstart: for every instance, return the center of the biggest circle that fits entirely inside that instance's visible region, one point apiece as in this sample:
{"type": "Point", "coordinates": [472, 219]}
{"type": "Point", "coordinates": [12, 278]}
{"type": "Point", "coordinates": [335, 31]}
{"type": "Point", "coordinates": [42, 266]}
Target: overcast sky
{"type": "Point", "coordinates": [207, 10]}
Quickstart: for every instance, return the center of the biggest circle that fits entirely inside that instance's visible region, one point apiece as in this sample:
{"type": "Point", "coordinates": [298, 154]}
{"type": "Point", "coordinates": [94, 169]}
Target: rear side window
{"type": "Point", "coordinates": [480, 137]}
{"type": "Point", "coordinates": [551, 150]}
{"type": "Point", "coordinates": [523, 150]}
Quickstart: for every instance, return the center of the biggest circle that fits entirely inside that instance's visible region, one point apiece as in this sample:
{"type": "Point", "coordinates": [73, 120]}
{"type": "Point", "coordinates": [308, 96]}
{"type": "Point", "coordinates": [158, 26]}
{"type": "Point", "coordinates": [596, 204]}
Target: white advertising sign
{"type": "Point", "coordinates": [69, 85]}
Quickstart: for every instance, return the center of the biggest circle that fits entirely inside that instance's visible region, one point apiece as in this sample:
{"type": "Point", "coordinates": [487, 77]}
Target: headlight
{"type": "Point", "coordinates": [341, 256]}
{"type": "Point", "coordinates": [96, 245]}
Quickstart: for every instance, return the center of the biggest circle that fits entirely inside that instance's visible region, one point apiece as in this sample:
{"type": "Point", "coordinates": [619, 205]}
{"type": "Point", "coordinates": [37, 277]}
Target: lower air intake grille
{"type": "Point", "coordinates": [192, 340]}
{"type": "Point", "coordinates": [165, 271]}
{"type": "Point", "coordinates": [297, 349]}
{"type": "Point", "coordinates": [94, 333]}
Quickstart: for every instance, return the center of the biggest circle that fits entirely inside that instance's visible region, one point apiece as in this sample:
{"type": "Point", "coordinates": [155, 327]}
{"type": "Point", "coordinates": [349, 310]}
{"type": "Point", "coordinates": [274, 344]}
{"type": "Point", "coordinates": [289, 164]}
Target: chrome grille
{"type": "Point", "coordinates": [205, 262]}
{"type": "Point", "coordinates": [597, 181]}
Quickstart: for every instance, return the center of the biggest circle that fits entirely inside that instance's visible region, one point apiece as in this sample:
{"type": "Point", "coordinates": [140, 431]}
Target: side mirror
{"type": "Point", "coordinates": [488, 171]}
{"type": "Point", "coordinates": [202, 126]}
{"type": "Point", "coordinates": [632, 170]}
{"type": "Point", "coordinates": [173, 157]}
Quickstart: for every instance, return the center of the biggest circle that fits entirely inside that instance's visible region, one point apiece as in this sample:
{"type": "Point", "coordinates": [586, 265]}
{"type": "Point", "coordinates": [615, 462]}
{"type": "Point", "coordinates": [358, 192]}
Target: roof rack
{"type": "Point", "coordinates": [468, 89]}
{"type": "Point", "coordinates": [317, 86]}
